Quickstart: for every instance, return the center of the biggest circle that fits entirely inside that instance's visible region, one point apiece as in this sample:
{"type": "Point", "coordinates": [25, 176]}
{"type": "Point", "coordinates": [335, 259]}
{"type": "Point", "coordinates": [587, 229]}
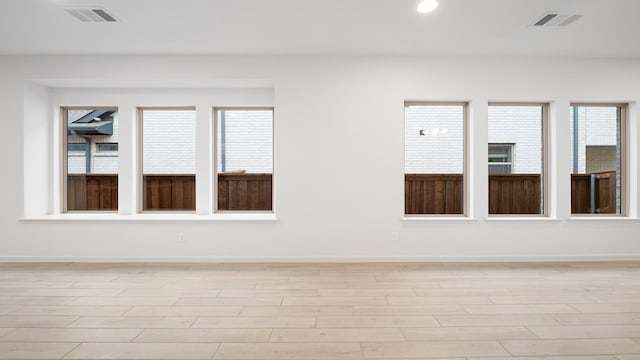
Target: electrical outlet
{"type": "Point", "coordinates": [394, 236]}
{"type": "Point", "coordinates": [182, 237]}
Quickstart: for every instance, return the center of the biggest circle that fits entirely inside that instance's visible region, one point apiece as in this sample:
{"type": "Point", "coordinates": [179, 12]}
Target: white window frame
{"type": "Point", "coordinates": [546, 159]}
{"type": "Point", "coordinates": [624, 156]}
{"type": "Point", "coordinates": [214, 179]}
{"type": "Point", "coordinates": [139, 157]}
{"type": "Point", "coordinates": [64, 154]}
{"type": "Point", "coordinates": [127, 101]}
{"type": "Point", "coordinates": [466, 191]}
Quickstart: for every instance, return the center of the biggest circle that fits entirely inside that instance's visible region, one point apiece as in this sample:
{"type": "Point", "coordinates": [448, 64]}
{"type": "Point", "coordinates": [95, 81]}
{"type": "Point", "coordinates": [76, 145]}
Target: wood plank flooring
{"type": "Point", "coordinates": [455, 311]}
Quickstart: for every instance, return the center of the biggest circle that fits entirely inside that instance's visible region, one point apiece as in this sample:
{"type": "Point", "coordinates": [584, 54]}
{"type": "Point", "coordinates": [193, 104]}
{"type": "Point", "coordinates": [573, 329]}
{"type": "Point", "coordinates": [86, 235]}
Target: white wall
{"type": "Point", "coordinates": [338, 163]}
{"type": "Point", "coordinates": [37, 135]}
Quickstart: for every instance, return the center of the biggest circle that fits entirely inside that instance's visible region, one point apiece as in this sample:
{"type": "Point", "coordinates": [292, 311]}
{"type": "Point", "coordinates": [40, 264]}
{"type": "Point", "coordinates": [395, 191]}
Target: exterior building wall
{"type": "Point", "coordinates": [441, 149]}
{"type": "Point", "coordinates": [102, 163]}
{"type": "Point", "coordinates": [248, 141]}
{"type": "Point", "coordinates": [595, 128]}
{"type": "Point", "coordinates": [517, 125]}
{"type": "Point", "coordinates": [521, 126]}
{"type": "Point", "coordinates": [76, 163]}
{"type": "Point", "coordinates": [442, 152]}
{"type": "Point", "coordinates": [600, 159]}
{"type": "Point", "coordinates": [168, 142]}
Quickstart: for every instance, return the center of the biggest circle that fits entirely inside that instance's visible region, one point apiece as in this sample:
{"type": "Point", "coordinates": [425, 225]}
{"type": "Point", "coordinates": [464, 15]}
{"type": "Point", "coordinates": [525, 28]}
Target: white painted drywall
{"type": "Point", "coordinates": [36, 133]}
{"type": "Point", "coordinates": [338, 163]}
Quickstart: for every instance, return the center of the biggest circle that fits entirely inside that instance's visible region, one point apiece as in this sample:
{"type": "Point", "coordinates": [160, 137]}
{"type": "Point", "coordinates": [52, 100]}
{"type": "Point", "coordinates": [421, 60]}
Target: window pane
{"type": "Point", "coordinates": [168, 159]}
{"type": "Point", "coordinates": [500, 153]}
{"type": "Point", "coordinates": [82, 148]}
{"type": "Point", "coordinates": [244, 158]}
{"type": "Point", "coordinates": [434, 158]}
{"type": "Point", "coordinates": [107, 147]}
{"type": "Point", "coordinates": [92, 181]}
{"type": "Point", "coordinates": [596, 149]}
{"type": "Point", "coordinates": [516, 159]}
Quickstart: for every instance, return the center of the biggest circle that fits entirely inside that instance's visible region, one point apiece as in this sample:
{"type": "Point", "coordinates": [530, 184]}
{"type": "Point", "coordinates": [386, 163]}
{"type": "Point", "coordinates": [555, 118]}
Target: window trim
{"type": "Point", "coordinates": [214, 150]}
{"type": "Point", "coordinates": [139, 159]}
{"type": "Point", "coordinates": [546, 159]}
{"type": "Point", "coordinates": [624, 159]}
{"type": "Point", "coordinates": [64, 154]}
{"type": "Point", "coordinates": [466, 148]}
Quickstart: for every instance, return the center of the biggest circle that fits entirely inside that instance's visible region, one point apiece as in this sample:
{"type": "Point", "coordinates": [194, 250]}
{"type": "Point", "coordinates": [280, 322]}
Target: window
{"type": "Point", "coordinates": [434, 158]}
{"type": "Point", "coordinates": [244, 158]}
{"type": "Point", "coordinates": [108, 147]}
{"type": "Point", "coordinates": [516, 158]}
{"type": "Point", "coordinates": [90, 181]}
{"type": "Point", "coordinates": [598, 158]}
{"type": "Point", "coordinates": [500, 158]}
{"type": "Point", "coordinates": [168, 159]}
{"type": "Point", "coordinates": [77, 148]}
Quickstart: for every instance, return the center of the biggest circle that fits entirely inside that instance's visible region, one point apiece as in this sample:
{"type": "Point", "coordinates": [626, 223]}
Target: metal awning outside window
{"type": "Point", "coordinates": [97, 122]}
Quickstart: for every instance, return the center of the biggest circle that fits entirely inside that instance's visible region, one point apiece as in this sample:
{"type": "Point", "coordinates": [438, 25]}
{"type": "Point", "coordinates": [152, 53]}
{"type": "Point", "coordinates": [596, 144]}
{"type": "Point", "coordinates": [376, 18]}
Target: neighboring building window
{"type": "Point", "coordinates": [244, 158]}
{"type": "Point", "coordinates": [434, 158]}
{"type": "Point", "coordinates": [168, 159]}
{"type": "Point", "coordinates": [516, 158]}
{"type": "Point", "coordinates": [597, 148]}
{"type": "Point", "coordinates": [500, 158]}
{"type": "Point", "coordinates": [77, 148]}
{"type": "Point", "coordinates": [108, 147]}
{"type": "Point", "coordinates": [91, 182]}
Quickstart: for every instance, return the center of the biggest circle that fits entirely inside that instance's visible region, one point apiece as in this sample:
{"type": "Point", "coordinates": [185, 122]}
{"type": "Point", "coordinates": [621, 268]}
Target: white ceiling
{"type": "Point", "coordinates": [609, 28]}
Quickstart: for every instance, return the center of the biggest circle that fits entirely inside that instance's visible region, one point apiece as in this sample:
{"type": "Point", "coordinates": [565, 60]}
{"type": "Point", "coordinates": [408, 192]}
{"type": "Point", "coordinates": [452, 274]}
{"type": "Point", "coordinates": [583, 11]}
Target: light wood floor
{"type": "Point", "coordinates": [587, 311]}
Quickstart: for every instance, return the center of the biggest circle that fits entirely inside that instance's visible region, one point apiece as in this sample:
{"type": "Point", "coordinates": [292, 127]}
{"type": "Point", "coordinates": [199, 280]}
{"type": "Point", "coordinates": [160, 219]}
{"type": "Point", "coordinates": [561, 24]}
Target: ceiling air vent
{"type": "Point", "coordinates": [91, 15]}
{"type": "Point", "coordinates": [552, 19]}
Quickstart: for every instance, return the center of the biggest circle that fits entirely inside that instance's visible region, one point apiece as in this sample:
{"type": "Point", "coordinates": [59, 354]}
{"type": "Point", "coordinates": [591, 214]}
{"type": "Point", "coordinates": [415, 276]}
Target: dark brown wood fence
{"type": "Point", "coordinates": [443, 194]}
{"type": "Point", "coordinates": [514, 194]}
{"type": "Point", "coordinates": [244, 192]}
{"type": "Point", "coordinates": [424, 193]}
{"type": "Point", "coordinates": [92, 192]}
{"type": "Point", "coordinates": [604, 193]}
{"type": "Point", "coordinates": [433, 194]}
{"type": "Point", "coordinates": [169, 192]}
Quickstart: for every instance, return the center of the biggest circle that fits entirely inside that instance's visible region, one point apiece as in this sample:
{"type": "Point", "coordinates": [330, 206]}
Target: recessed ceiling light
{"type": "Point", "coordinates": [427, 6]}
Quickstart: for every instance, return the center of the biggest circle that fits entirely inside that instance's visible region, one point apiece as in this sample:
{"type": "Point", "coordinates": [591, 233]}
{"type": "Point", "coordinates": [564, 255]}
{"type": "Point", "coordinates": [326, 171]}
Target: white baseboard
{"type": "Point", "coordinates": [319, 259]}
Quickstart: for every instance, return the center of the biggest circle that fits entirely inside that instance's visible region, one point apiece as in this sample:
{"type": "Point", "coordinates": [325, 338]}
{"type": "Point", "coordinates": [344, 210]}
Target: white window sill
{"type": "Point", "coordinates": [521, 218]}
{"type": "Point", "coordinates": [602, 218]}
{"type": "Point", "coordinates": [155, 217]}
{"type": "Point", "coordinates": [437, 218]}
